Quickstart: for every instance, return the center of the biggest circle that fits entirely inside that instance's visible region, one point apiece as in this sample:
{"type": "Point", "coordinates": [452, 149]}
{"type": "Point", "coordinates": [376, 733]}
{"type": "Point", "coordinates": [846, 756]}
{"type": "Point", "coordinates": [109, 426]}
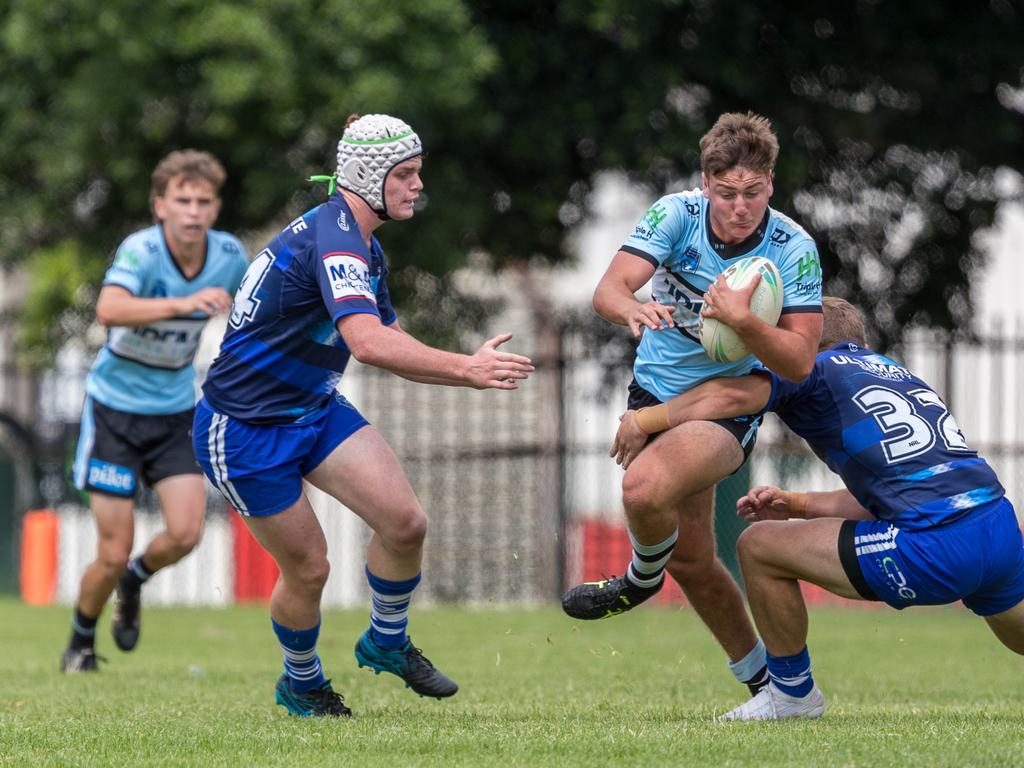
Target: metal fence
{"type": "Point", "coordinates": [509, 479]}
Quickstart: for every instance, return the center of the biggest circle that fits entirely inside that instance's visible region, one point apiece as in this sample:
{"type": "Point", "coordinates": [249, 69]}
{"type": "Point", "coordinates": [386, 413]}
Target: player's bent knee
{"type": "Point", "coordinates": [690, 568]}
{"type": "Point", "coordinates": [639, 492]}
{"type": "Point", "coordinates": [113, 564]}
{"type": "Point", "coordinates": [311, 575]}
{"type": "Point", "coordinates": [407, 533]}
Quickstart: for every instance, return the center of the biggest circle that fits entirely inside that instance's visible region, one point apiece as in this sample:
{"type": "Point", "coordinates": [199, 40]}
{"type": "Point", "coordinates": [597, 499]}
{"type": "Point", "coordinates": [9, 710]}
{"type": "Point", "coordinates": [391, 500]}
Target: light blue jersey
{"type": "Point", "coordinates": [147, 369]}
{"type": "Point", "coordinates": [675, 236]}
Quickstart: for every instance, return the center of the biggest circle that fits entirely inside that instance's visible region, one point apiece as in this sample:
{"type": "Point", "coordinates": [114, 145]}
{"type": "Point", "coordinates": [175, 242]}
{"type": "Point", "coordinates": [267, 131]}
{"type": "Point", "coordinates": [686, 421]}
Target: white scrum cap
{"type": "Point", "coordinates": [370, 147]}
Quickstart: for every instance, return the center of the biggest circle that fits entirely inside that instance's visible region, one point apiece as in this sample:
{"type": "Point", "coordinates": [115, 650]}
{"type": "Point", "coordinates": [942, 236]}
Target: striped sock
{"type": "Point", "coordinates": [792, 674]}
{"type": "Point", "coordinates": [83, 630]}
{"type": "Point", "coordinates": [136, 574]}
{"type": "Point", "coordinates": [389, 615]}
{"type": "Point", "coordinates": [752, 669]}
{"type": "Point", "coordinates": [647, 571]}
{"type": "Point", "coordinates": [301, 662]}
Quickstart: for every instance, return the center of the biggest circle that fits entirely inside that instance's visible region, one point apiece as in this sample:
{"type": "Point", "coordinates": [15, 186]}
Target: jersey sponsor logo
{"type": "Point", "coordinates": [127, 260]}
{"type": "Point", "coordinates": [342, 221]}
{"type": "Point", "coordinates": [779, 237]}
{"type": "Point", "coordinates": [159, 289]}
{"type": "Point", "coordinates": [808, 267]}
{"type": "Point", "coordinates": [690, 259]}
{"type": "Point", "coordinates": [153, 248]}
{"type": "Point", "coordinates": [887, 370]}
{"type": "Point", "coordinates": [898, 578]}
{"type": "Point", "coordinates": [169, 344]}
{"type": "Point", "coordinates": [110, 477]}
{"type": "Point", "coordinates": [692, 208]}
{"type": "Point", "coordinates": [349, 275]}
{"type": "Point", "coordinates": [640, 232]}
{"type": "Point", "coordinates": [808, 275]}
{"type": "Point", "coordinates": [655, 216]}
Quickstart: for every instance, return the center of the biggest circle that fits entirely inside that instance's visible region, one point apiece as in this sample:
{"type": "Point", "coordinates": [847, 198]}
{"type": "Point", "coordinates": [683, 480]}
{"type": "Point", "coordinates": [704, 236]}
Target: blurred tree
{"type": "Point", "coordinates": [892, 121]}
{"type": "Point", "coordinates": [92, 96]}
{"type": "Point", "coordinates": [892, 126]}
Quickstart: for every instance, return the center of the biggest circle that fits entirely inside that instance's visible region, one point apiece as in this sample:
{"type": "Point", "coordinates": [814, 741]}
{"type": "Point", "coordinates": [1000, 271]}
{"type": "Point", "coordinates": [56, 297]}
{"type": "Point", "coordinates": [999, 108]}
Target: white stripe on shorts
{"type": "Point", "coordinates": [218, 427]}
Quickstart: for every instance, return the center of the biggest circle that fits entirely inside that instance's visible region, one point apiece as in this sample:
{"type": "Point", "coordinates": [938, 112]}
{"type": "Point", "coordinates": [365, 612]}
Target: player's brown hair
{"type": "Point", "coordinates": [191, 165]}
{"type": "Point", "coordinates": [842, 322]}
{"type": "Point", "coordinates": [737, 139]}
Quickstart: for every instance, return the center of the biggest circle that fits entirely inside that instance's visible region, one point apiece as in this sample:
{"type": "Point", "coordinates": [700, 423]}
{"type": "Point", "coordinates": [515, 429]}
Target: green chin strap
{"type": "Point", "coordinates": [332, 182]}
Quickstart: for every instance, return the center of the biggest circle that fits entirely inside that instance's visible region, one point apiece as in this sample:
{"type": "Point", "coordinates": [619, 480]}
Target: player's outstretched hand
{"type": "Point", "coordinates": [490, 368]}
{"type": "Point", "coordinates": [629, 440]}
{"type": "Point", "coordinates": [765, 502]}
{"type": "Point", "coordinates": [729, 305]}
{"type": "Point", "coordinates": [650, 315]}
{"type": "Point", "coordinates": [212, 301]}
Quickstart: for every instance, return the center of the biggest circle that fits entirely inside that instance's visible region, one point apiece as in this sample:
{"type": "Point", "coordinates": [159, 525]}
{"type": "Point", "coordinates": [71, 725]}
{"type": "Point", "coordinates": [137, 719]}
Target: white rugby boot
{"type": "Point", "coordinates": [772, 704]}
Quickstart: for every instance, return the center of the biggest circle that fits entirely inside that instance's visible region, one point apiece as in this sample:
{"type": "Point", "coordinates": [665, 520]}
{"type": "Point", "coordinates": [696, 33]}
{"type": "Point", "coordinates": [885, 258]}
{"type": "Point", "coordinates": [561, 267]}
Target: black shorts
{"type": "Point", "coordinates": [743, 428]}
{"type": "Point", "coordinates": [116, 449]}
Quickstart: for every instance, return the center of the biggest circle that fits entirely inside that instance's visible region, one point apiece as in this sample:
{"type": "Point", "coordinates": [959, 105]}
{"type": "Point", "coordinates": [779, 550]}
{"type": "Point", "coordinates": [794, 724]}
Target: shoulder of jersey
{"type": "Point", "coordinates": [143, 239]}
{"type": "Point", "coordinates": [227, 242]}
{"type": "Point", "coordinates": [781, 221]}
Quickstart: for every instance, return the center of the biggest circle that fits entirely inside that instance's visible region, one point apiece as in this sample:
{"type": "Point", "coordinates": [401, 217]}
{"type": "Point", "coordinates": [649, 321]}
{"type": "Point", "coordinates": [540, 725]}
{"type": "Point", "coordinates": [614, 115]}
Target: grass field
{"type": "Point", "coordinates": [924, 688]}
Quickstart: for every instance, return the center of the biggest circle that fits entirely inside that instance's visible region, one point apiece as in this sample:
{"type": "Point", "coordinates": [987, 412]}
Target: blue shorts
{"type": "Point", "coordinates": [259, 467]}
{"type": "Point", "coordinates": [978, 559]}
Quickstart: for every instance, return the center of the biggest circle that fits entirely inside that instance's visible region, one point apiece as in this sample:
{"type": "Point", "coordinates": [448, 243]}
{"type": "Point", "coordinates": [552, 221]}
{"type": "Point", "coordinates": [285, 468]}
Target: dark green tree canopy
{"type": "Point", "coordinates": [893, 119]}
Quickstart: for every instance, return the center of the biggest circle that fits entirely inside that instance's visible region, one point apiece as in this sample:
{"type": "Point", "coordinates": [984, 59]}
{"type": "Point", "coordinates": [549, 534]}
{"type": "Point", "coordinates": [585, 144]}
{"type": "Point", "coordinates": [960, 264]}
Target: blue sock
{"type": "Point", "coordinates": [792, 674]}
{"type": "Point", "coordinates": [301, 662]}
{"type": "Point", "coordinates": [389, 615]}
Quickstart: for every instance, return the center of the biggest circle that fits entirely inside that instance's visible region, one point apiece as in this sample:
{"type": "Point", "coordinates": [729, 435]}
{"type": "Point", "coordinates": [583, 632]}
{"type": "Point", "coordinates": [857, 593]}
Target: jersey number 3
{"type": "Point", "coordinates": [908, 433]}
{"type": "Point", "coordinates": [243, 310]}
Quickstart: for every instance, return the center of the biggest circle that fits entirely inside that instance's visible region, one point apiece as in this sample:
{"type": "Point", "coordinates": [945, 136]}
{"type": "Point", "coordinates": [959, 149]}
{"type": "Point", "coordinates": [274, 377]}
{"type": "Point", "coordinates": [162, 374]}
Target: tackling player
{"type": "Point", "coordinates": [923, 519]}
{"type": "Point", "coordinates": [683, 243]}
{"type": "Point", "coordinates": [271, 415]}
{"type": "Point", "coordinates": [164, 284]}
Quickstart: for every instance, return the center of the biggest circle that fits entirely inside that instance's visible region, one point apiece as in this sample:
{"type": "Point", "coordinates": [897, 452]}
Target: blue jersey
{"type": "Point", "coordinates": [282, 355]}
{"type": "Point", "coordinates": [888, 435]}
{"type": "Point", "coordinates": [147, 369]}
{"type": "Point", "coordinates": [675, 236]}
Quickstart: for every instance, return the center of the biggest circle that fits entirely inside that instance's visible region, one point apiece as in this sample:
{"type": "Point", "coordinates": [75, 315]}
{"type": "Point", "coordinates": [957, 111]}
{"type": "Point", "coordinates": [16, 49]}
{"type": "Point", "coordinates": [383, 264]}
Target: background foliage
{"type": "Point", "coordinates": [893, 122]}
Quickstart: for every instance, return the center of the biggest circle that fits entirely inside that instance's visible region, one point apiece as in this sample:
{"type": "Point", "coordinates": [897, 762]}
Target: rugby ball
{"type": "Point", "coordinates": [721, 342]}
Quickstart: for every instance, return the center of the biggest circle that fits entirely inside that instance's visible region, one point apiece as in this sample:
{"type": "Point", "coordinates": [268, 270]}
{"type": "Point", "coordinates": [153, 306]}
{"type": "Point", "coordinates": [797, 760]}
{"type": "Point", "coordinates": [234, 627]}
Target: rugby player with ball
{"type": "Point", "coordinates": [682, 246]}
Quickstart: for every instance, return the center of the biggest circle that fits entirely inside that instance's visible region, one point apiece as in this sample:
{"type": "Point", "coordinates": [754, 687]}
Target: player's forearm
{"type": "Point", "coordinates": [840, 503]}
{"type": "Point", "coordinates": [400, 353]}
{"type": "Point", "coordinates": [132, 310]}
{"type": "Point", "coordinates": [785, 352]}
{"type": "Point", "coordinates": [723, 398]}
{"type": "Point", "coordinates": [614, 302]}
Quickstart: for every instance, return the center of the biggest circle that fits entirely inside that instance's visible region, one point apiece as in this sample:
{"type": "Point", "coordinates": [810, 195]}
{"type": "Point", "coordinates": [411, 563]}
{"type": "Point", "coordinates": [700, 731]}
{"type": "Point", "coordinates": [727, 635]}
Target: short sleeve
{"type": "Point", "coordinates": [343, 272]}
{"type": "Point", "coordinates": [800, 268]}
{"type": "Point", "coordinates": [659, 231]}
{"type": "Point", "coordinates": [132, 262]}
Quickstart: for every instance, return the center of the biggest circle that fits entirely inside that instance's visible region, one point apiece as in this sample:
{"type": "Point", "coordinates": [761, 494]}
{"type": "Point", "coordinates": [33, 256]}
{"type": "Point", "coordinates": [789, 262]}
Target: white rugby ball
{"type": "Point", "coordinates": [721, 342]}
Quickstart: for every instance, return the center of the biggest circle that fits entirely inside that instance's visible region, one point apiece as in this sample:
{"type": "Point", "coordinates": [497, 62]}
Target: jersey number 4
{"type": "Point", "coordinates": [908, 432]}
{"type": "Point", "coordinates": [246, 303]}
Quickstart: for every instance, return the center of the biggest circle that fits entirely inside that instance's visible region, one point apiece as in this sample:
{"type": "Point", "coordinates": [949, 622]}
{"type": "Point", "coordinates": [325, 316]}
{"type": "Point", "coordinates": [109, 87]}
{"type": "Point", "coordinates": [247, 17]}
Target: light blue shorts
{"type": "Point", "coordinates": [259, 467]}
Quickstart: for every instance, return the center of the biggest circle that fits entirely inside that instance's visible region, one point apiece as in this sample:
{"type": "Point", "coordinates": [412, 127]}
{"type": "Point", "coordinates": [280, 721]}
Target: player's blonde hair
{"type": "Point", "coordinates": [842, 322]}
{"type": "Point", "coordinates": [739, 140]}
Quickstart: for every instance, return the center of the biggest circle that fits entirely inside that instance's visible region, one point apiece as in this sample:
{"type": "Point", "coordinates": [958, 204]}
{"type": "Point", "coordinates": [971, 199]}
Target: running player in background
{"type": "Point", "coordinates": [272, 416]}
{"type": "Point", "coordinates": [923, 520]}
{"type": "Point", "coordinates": [164, 284]}
{"type": "Point", "coordinates": [684, 242]}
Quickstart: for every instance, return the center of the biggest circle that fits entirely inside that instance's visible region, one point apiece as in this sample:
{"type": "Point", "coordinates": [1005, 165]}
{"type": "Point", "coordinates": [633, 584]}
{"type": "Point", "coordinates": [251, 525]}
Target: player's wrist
{"type": "Point", "coordinates": [653, 418]}
{"type": "Point", "coordinates": [796, 503]}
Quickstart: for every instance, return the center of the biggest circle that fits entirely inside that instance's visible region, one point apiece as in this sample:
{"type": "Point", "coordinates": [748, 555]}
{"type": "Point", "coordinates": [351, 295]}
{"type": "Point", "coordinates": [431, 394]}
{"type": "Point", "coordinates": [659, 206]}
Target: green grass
{"type": "Point", "coordinates": [920, 688]}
